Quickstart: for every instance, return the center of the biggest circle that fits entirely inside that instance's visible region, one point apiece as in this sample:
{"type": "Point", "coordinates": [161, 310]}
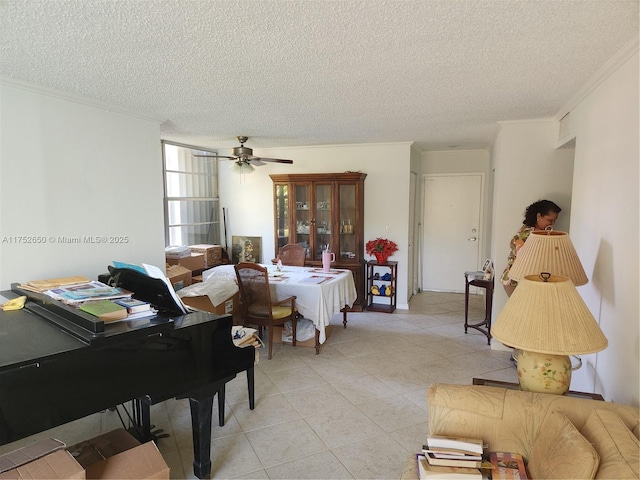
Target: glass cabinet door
{"type": "Point", "coordinates": [325, 210]}
{"type": "Point", "coordinates": [322, 219]}
{"type": "Point", "coordinates": [347, 218]}
{"type": "Point", "coordinates": [303, 216]}
{"type": "Point", "coordinates": [282, 214]}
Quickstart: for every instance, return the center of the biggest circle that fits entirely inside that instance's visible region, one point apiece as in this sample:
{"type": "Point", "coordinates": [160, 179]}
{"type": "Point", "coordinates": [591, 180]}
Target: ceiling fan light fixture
{"type": "Point", "coordinates": [241, 167]}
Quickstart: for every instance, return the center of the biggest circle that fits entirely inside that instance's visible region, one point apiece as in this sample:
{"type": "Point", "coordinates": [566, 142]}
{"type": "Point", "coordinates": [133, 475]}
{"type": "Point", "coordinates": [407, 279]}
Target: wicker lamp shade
{"type": "Point", "coordinates": [548, 251]}
{"type": "Point", "coordinates": [548, 316]}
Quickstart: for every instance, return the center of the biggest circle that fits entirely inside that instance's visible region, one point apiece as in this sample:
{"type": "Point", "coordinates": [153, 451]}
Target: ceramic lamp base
{"type": "Point", "coordinates": [543, 372]}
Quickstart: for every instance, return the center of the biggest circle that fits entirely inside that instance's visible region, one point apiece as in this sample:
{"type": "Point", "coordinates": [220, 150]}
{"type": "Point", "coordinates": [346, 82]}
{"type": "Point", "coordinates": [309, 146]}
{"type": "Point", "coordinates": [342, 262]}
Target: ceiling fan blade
{"type": "Point", "coordinates": [275, 160]}
{"type": "Point", "coordinates": [215, 156]}
{"type": "Point", "coordinates": [256, 161]}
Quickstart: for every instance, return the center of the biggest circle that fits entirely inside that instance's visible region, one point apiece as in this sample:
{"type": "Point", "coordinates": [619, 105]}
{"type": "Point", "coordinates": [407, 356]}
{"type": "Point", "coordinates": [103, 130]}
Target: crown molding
{"type": "Point", "coordinates": [52, 92]}
{"type": "Point", "coordinates": [525, 121]}
{"type": "Point", "coordinates": [615, 62]}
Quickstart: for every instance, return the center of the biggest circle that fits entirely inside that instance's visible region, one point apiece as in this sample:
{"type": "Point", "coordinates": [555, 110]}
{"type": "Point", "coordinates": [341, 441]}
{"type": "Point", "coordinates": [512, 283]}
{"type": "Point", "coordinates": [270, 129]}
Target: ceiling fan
{"type": "Point", "coordinates": [243, 158]}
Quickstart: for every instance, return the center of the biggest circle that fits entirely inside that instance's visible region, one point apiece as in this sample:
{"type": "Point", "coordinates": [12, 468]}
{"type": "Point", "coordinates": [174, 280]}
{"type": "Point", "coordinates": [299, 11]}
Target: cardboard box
{"type": "Point", "coordinates": [112, 456]}
{"type": "Point", "coordinates": [230, 305]}
{"type": "Point", "coordinates": [118, 455]}
{"type": "Point", "coordinates": [212, 254]}
{"type": "Point", "coordinates": [277, 338]}
{"type": "Point", "coordinates": [45, 459]}
{"type": "Point", "coordinates": [103, 446]}
{"type": "Point", "coordinates": [194, 262]}
{"type": "Point", "coordinates": [179, 276]}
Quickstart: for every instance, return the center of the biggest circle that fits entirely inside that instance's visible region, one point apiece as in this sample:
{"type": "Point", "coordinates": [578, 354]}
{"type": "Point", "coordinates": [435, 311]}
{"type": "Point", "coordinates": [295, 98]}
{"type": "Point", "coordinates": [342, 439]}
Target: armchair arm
{"type": "Point", "coordinates": [284, 301]}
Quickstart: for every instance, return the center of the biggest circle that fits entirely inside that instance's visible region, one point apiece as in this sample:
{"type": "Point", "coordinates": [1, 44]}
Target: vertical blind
{"type": "Point", "coordinates": [191, 195]}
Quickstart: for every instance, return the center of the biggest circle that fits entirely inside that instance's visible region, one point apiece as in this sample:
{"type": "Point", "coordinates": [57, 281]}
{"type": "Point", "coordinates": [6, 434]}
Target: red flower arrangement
{"type": "Point", "coordinates": [381, 248]}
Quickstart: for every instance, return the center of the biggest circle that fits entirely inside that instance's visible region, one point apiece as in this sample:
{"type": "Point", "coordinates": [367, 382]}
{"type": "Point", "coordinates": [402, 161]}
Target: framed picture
{"type": "Point", "coordinates": [246, 249]}
{"type": "Point", "coordinates": [488, 266]}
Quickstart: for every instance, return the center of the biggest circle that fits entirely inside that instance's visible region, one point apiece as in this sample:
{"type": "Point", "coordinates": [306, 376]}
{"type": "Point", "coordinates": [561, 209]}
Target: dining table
{"type": "Point", "coordinates": [319, 294]}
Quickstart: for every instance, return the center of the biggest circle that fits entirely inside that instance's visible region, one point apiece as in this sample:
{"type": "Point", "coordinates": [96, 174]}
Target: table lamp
{"type": "Point", "coordinates": [547, 320]}
{"type": "Point", "coordinates": [548, 251]}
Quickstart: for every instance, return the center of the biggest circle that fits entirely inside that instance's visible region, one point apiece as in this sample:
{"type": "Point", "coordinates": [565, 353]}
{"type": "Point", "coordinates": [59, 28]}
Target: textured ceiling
{"type": "Point", "coordinates": [303, 72]}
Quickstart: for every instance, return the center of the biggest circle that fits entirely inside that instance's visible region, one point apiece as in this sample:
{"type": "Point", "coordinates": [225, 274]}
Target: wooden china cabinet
{"type": "Point", "coordinates": [320, 210]}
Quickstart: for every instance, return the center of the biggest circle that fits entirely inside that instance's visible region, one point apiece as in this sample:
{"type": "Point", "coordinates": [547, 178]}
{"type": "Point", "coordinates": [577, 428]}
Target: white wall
{"type": "Point", "coordinates": [527, 167]}
{"type": "Point", "coordinates": [249, 199]}
{"type": "Point", "coordinates": [603, 220]}
{"type": "Point", "coordinates": [70, 168]}
{"type": "Point", "coordinates": [604, 229]}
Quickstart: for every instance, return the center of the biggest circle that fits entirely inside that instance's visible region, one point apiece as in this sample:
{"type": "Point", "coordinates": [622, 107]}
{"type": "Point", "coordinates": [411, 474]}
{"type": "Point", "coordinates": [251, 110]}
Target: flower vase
{"type": "Point", "coordinates": [381, 258]}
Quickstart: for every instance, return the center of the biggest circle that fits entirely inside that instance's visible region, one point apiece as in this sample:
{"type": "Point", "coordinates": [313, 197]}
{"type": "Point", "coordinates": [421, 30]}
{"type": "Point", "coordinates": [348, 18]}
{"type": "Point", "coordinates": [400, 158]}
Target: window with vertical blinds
{"type": "Point", "coordinates": [191, 199]}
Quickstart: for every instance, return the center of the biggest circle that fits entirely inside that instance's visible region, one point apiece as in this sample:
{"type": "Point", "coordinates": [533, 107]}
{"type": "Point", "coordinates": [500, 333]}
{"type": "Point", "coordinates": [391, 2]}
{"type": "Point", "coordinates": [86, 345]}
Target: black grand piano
{"type": "Point", "coordinates": [58, 364]}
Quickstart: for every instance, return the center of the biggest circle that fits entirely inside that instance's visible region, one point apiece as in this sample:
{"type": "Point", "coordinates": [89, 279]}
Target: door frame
{"type": "Point", "coordinates": [482, 220]}
{"type": "Point", "coordinates": [413, 286]}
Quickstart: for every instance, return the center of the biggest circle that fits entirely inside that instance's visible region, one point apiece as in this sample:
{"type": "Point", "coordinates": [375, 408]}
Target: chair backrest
{"type": "Point", "coordinates": [253, 282]}
{"type": "Point", "coordinates": [293, 254]}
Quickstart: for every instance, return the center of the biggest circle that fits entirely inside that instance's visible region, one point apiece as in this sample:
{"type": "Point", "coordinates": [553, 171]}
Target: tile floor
{"type": "Point", "coordinates": [356, 411]}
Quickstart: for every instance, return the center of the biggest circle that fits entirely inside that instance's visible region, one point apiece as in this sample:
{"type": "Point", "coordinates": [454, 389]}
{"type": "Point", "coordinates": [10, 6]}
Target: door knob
{"type": "Point", "coordinates": [472, 239]}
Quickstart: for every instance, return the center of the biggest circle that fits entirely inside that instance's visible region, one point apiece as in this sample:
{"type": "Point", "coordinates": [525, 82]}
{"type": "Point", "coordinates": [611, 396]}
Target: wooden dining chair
{"type": "Point", "coordinates": [292, 254]}
{"type": "Point", "coordinates": [257, 307]}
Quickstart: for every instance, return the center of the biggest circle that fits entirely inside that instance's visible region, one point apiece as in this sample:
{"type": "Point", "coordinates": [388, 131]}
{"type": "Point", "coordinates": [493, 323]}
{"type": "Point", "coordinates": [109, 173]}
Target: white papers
{"type": "Point", "coordinates": [155, 272]}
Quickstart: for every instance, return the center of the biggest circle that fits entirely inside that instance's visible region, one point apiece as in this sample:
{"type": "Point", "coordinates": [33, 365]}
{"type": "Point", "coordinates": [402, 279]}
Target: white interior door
{"type": "Point", "coordinates": [451, 224]}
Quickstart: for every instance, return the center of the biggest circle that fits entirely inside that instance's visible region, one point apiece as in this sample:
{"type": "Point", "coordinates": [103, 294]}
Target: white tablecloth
{"type": "Point", "coordinates": [316, 301]}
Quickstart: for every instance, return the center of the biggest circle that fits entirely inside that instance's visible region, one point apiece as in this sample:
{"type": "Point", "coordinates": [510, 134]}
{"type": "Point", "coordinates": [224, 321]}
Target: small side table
{"type": "Point", "coordinates": [477, 280]}
{"type": "Point", "coordinates": [515, 386]}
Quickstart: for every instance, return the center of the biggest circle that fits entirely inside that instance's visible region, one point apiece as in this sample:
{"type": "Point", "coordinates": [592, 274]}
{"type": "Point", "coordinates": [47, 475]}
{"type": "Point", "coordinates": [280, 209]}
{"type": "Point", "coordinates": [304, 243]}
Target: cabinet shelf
{"type": "Point", "coordinates": [380, 307]}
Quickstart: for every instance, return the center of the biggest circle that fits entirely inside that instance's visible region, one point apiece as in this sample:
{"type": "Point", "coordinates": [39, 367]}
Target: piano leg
{"type": "Point", "coordinates": [221, 396]}
{"type": "Point", "coordinates": [201, 412]}
{"type": "Point", "coordinates": [251, 387]}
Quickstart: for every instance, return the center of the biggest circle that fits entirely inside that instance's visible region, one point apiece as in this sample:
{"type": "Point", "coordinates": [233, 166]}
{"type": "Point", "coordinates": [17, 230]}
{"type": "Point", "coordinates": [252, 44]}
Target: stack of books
{"type": "Point", "coordinates": [108, 303]}
{"type": "Point", "coordinates": [122, 309]}
{"type": "Point", "coordinates": [508, 466]}
{"type": "Point", "coordinates": [76, 295]}
{"type": "Point", "coordinates": [451, 458]}
{"type": "Point", "coordinates": [41, 286]}
{"type": "Point", "coordinates": [245, 337]}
